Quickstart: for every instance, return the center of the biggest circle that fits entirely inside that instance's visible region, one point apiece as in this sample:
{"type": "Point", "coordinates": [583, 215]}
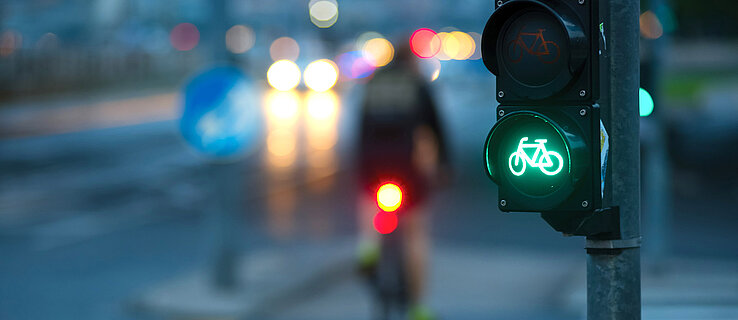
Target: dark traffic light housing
{"type": "Point", "coordinates": [544, 150]}
{"type": "Point", "coordinates": [543, 50]}
{"type": "Point", "coordinates": [545, 159]}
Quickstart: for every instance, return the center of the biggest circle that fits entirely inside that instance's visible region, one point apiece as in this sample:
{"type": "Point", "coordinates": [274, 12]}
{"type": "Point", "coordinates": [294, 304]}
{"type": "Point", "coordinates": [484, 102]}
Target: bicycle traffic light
{"type": "Point", "coordinates": [544, 50]}
{"type": "Point", "coordinates": [544, 150]}
{"type": "Point", "coordinates": [542, 160]}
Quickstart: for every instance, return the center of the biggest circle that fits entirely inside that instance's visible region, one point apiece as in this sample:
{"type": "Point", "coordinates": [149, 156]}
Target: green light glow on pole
{"type": "Point", "coordinates": [645, 102]}
{"type": "Point", "coordinates": [541, 158]}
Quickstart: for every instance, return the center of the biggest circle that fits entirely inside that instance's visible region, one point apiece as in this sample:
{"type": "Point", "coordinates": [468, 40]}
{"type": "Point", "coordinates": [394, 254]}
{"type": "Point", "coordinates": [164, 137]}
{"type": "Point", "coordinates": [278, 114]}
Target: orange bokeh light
{"type": "Point", "coordinates": [651, 27]}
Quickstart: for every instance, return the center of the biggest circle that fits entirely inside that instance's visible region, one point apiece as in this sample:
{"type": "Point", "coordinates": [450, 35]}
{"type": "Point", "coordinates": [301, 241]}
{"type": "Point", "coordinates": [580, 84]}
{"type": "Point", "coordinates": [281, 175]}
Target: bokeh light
{"type": "Point", "coordinates": [378, 51]}
{"type": "Point", "coordinates": [353, 65]}
{"type": "Point", "coordinates": [283, 75]}
{"type": "Point", "coordinates": [435, 75]}
{"type": "Point", "coordinates": [466, 45]}
{"type": "Point", "coordinates": [282, 147]}
{"type": "Point", "coordinates": [385, 223]}
{"type": "Point", "coordinates": [651, 27]}
{"type": "Point", "coordinates": [366, 36]}
{"type": "Point", "coordinates": [449, 46]}
{"type": "Point", "coordinates": [282, 106]}
{"type": "Point", "coordinates": [323, 13]}
{"type": "Point", "coordinates": [239, 39]}
{"type": "Point", "coordinates": [284, 48]}
{"type": "Point", "coordinates": [321, 131]}
{"type": "Point", "coordinates": [281, 142]}
{"type": "Point", "coordinates": [321, 75]}
{"type": "Point", "coordinates": [645, 103]}
{"type": "Point", "coordinates": [184, 36]}
{"type": "Point", "coordinates": [9, 42]}
{"type": "Point", "coordinates": [322, 117]}
{"type": "Point", "coordinates": [425, 43]}
{"type": "Point", "coordinates": [477, 54]}
{"type": "Point", "coordinates": [430, 68]}
{"type": "Point", "coordinates": [322, 105]}
{"type": "Point", "coordinates": [282, 110]}
{"type": "Point", "coordinates": [389, 197]}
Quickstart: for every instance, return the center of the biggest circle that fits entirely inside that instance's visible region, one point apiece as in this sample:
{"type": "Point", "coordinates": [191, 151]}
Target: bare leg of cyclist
{"type": "Point", "coordinates": [417, 240]}
{"type": "Point", "coordinates": [368, 250]}
{"type": "Point", "coordinates": [417, 245]}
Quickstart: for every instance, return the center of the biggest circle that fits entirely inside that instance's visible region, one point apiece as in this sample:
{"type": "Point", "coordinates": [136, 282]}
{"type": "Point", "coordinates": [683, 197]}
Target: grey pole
{"type": "Point", "coordinates": [225, 187]}
{"type": "Point", "coordinates": [225, 177]}
{"type": "Point", "coordinates": [613, 271]}
{"type": "Point", "coordinates": [218, 25]}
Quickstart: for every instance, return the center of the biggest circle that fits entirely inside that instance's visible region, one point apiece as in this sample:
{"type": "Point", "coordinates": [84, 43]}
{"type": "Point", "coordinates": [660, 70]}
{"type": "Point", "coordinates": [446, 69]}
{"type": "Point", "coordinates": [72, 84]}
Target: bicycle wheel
{"type": "Point", "coordinates": [553, 55]}
{"type": "Point", "coordinates": [518, 167]}
{"type": "Point", "coordinates": [393, 294]}
{"type": "Point", "coordinates": [558, 160]}
{"type": "Point", "coordinates": [515, 51]}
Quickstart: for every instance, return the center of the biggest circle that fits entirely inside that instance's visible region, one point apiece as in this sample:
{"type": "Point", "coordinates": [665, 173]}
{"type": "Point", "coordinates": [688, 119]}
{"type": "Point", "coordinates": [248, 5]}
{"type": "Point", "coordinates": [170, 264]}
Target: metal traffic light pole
{"type": "Point", "coordinates": [225, 183]}
{"type": "Point", "coordinates": [613, 266]}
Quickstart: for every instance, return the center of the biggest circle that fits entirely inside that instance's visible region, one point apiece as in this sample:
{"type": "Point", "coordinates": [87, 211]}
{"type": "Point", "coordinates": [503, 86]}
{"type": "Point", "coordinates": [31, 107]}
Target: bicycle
{"type": "Point", "coordinates": [393, 296]}
{"type": "Point", "coordinates": [542, 51]}
{"type": "Point", "coordinates": [541, 158]}
{"type": "Point", "coordinates": [387, 272]}
{"type": "Point", "coordinates": [389, 279]}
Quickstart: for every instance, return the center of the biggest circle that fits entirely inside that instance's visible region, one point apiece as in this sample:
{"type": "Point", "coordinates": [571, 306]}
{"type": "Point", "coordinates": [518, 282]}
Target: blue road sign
{"type": "Point", "coordinates": [221, 115]}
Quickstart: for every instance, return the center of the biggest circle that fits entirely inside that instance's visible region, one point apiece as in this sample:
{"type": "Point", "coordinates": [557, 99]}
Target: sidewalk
{"type": "Point", "coordinates": [504, 283]}
{"type": "Point", "coordinates": [268, 279]}
{"type": "Point", "coordinates": [679, 289]}
{"type": "Point", "coordinates": [464, 284]}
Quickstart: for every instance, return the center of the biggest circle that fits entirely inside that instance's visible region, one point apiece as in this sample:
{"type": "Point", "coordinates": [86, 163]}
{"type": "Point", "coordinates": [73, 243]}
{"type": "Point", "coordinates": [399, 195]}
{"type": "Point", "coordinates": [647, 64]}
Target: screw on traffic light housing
{"type": "Point", "coordinates": [543, 50]}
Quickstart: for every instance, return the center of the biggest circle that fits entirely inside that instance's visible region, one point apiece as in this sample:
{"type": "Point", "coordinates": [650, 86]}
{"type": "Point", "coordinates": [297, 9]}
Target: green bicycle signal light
{"type": "Point", "coordinates": [540, 158]}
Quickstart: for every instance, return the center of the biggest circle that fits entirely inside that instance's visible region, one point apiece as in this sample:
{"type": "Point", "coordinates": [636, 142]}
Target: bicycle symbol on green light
{"type": "Point", "coordinates": [542, 158]}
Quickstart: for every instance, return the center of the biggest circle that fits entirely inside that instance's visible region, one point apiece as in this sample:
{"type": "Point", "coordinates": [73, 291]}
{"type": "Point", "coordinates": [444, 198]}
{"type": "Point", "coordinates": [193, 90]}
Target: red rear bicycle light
{"type": "Point", "coordinates": [385, 222]}
{"type": "Point", "coordinates": [389, 197]}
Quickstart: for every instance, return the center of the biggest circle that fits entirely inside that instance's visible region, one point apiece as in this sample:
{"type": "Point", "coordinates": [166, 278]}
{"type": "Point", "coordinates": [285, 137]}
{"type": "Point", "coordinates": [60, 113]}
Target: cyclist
{"type": "Point", "coordinates": [401, 138]}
